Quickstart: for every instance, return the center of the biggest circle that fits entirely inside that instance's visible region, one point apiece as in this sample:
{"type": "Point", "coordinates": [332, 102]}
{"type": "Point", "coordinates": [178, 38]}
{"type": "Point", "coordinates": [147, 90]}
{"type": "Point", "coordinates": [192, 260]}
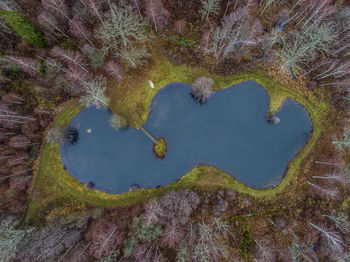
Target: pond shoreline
{"type": "Point", "coordinates": [196, 134]}
{"type": "Point", "coordinates": [49, 161]}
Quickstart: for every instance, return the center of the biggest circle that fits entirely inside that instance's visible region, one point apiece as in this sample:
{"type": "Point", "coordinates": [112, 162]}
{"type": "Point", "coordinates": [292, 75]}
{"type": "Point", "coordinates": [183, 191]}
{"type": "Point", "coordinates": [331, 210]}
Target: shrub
{"type": "Point", "coordinates": [24, 28]}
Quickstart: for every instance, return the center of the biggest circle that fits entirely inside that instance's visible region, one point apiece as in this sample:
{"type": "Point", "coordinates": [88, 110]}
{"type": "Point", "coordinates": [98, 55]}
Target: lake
{"type": "Point", "coordinates": [229, 132]}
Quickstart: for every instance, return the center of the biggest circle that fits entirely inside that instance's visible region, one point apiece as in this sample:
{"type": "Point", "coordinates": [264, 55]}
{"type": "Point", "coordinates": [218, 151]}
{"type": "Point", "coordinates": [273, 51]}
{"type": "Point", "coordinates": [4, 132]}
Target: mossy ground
{"type": "Point", "coordinates": [24, 28]}
{"type": "Point", "coordinates": [53, 187]}
{"type": "Point", "coordinates": [159, 149]}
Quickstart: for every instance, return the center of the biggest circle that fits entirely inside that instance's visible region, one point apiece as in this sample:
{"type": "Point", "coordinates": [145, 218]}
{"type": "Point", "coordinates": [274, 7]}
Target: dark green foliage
{"type": "Point", "coordinates": [24, 28]}
{"type": "Point", "coordinates": [42, 68]}
{"type": "Point", "coordinates": [246, 243]}
{"type": "Point", "coordinates": [145, 233]}
{"type": "Point", "coordinates": [97, 59]}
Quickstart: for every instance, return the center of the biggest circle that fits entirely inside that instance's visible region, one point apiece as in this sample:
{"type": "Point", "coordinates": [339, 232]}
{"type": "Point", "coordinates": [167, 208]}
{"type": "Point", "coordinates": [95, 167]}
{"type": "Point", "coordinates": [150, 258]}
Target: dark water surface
{"type": "Point", "coordinates": [229, 132]}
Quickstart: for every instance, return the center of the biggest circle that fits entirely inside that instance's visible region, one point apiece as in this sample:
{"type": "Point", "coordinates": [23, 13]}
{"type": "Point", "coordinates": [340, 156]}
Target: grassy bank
{"type": "Point", "coordinates": [131, 98]}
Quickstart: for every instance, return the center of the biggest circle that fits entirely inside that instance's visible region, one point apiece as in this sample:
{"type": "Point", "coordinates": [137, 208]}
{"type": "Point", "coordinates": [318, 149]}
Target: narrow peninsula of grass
{"type": "Point", "coordinates": [159, 149]}
{"type": "Point", "coordinates": [54, 186]}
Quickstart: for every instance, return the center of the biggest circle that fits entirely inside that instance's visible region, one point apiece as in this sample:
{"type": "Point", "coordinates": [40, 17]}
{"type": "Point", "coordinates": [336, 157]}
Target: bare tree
{"type": "Point", "coordinates": [208, 246]}
{"type": "Point", "coordinates": [179, 205]}
{"type": "Point", "coordinates": [9, 5]}
{"type": "Point", "coordinates": [238, 30]}
{"type": "Point", "coordinates": [12, 99]}
{"type": "Point", "coordinates": [51, 241]}
{"type": "Point", "coordinates": [50, 22]}
{"type": "Point", "coordinates": [105, 237]}
{"type": "Point", "coordinates": [79, 253]}
{"type": "Point", "coordinates": [121, 26]}
{"type": "Point", "coordinates": [317, 35]}
{"type": "Point", "coordinates": [157, 14]}
{"type": "Point", "coordinates": [303, 47]}
{"type": "Point", "coordinates": [153, 212]}
{"type": "Point", "coordinates": [221, 227]}
{"type": "Point", "coordinates": [180, 25]}
{"type": "Point", "coordinates": [264, 252]}
{"type": "Point", "coordinates": [11, 119]}
{"type": "Point", "coordinates": [94, 92]}
{"type": "Point", "coordinates": [334, 241]}
{"type": "Point", "coordinates": [333, 175]}
{"type": "Point", "coordinates": [28, 65]}
{"type": "Point", "coordinates": [329, 193]}
{"type": "Point", "coordinates": [301, 252]}
{"type": "Point", "coordinates": [95, 8]}
{"type": "Point", "coordinates": [76, 75]}
{"type": "Point", "coordinates": [18, 158]}
{"type": "Point", "coordinates": [55, 135]}
{"type": "Point", "coordinates": [209, 7]}
{"type": "Point", "coordinates": [202, 89]}
{"type": "Point", "coordinates": [4, 133]}
{"type": "Point", "coordinates": [173, 233]}
{"type": "Point", "coordinates": [114, 70]}
{"type": "Point", "coordinates": [334, 69]}
{"type": "Point", "coordinates": [137, 4]}
{"type": "Point", "coordinates": [343, 142]}
{"type": "Point", "coordinates": [19, 142]}
{"type": "Point", "coordinates": [340, 220]}
{"type": "Point", "coordinates": [117, 122]}
{"type": "Point", "coordinates": [10, 238]}
{"type": "Point", "coordinates": [70, 57]}
{"type": "Point", "coordinates": [269, 3]}
{"type": "Point", "coordinates": [56, 7]}
{"type": "Point", "coordinates": [79, 30]}
{"type": "Point", "coordinates": [205, 41]}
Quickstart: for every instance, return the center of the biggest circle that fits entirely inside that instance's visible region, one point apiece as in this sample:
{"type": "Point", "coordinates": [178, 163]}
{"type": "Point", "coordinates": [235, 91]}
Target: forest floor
{"type": "Point", "coordinates": [54, 191]}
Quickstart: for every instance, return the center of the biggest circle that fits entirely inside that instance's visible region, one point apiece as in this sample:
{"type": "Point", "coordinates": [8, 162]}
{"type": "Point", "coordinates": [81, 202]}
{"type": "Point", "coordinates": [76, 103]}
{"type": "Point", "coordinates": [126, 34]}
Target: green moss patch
{"type": "Point", "coordinates": [23, 28]}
